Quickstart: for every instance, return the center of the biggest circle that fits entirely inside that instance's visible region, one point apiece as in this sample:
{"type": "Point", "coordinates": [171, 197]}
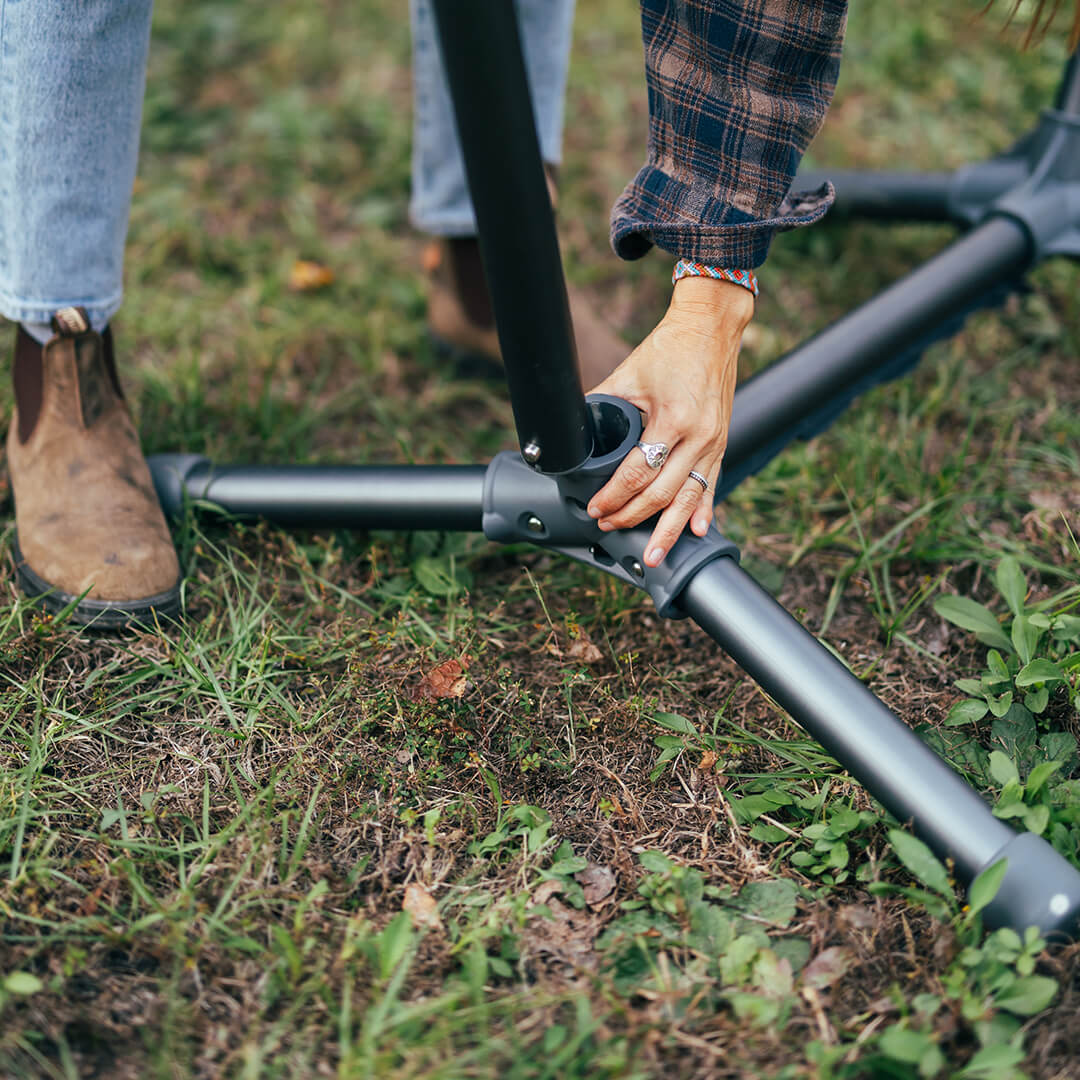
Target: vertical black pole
{"type": "Point", "coordinates": [1068, 97]}
{"type": "Point", "coordinates": [486, 71]}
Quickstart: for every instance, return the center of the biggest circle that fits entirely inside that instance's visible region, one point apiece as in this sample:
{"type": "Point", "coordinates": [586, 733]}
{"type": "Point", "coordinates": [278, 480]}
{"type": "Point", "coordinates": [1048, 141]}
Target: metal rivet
{"type": "Point", "coordinates": [531, 453]}
{"type": "Point", "coordinates": [534, 524]}
{"type": "Point", "coordinates": [637, 569]}
{"type": "Point", "coordinates": [1059, 904]}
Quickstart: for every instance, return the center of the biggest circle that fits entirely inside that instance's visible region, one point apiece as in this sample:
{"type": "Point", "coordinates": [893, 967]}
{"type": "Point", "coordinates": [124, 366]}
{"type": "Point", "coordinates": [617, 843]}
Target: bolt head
{"type": "Point", "coordinates": [531, 452]}
{"type": "Point", "coordinates": [534, 524]}
{"type": "Point", "coordinates": [637, 569]}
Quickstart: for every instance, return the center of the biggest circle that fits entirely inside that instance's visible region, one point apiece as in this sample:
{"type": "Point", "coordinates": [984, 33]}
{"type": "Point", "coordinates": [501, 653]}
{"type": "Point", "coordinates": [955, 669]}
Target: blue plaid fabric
{"type": "Point", "coordinates": [737, 89]}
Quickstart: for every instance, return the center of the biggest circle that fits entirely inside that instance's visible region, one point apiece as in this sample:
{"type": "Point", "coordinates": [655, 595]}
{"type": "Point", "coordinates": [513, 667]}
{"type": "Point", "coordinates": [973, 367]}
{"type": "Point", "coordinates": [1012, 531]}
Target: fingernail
{"type": "Point", "coordinates": [594, 512]}
{"type": "Point", "coordinates": [655, 557]}
{"type": "Point", "coordinates": [605, 526]}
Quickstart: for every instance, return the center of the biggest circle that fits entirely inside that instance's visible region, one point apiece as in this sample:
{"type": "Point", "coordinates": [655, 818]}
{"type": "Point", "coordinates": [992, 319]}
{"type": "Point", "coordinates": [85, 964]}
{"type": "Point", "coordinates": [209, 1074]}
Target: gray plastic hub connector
{"type": "Point", "coordinates": [1047, 202]}
{"type": "Point", "coordinates": [522, 505]}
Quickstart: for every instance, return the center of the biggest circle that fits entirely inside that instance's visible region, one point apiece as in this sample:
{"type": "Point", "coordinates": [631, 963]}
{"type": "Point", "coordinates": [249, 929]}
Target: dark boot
{"type": "Point", "coordinates": [87, 517]}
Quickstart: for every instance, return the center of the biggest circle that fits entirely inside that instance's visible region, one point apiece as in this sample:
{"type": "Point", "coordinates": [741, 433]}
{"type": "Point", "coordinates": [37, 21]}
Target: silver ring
{"type": "Point", "coordinates": [701, 480]}
{"type": "Point", "coordinates": [656, 453]}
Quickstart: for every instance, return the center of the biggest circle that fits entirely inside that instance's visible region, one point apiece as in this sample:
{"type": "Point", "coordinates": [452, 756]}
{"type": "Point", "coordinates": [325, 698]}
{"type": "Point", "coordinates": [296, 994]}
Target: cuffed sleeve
{"type": "Point", "coordinates": [736, 92]}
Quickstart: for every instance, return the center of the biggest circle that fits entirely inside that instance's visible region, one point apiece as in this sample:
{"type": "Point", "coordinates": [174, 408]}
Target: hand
{"type": "Point", "coordinates": [682, 376]}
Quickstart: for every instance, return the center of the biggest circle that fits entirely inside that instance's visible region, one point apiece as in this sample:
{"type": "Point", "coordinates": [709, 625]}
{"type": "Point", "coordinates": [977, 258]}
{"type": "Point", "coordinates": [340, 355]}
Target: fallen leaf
{"type": "Point", "coordinates": [420, 905]}
{"type": "Point", "coordinates": [827, 967]}
{"type": "Point", "coordinates": [708, 760]}
{"type": "Point", "coordinates": [564, 936]}
{"type": "Point", "coordinates": [307, 276]}
{"type": "Point", "coordinates": [545, 891]}
{"type": "Point", "coordinates": [597, 882]}
{"type": "Point", "coordinates": [445, 681]}
{"type": "Point", "coordinates": [858, 916]}
{"type": "Point", "coordinates": [1049, 500]}
{"type": "Point", "coordinates": [584, 650]}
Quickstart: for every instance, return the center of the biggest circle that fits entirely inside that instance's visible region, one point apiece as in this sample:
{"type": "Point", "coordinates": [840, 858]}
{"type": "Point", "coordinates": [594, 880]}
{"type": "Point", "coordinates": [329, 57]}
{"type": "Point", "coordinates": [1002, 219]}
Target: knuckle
{"type": "Point", "coordinates": [689, 496]}
{"type": "Point", "coordinates": [637, 473]}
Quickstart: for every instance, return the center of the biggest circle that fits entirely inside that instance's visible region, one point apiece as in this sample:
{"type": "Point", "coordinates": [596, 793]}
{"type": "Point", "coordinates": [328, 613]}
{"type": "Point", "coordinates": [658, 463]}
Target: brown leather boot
{"type": "Point", "coordinates": [461, 321]}
{"type": "Point", "coordinates": [87, 517]}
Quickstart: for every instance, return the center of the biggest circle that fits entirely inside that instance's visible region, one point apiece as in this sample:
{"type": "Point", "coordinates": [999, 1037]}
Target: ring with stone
{"type": "Point", "coordinates": [656, 453]}
{"type": "Point", "coordinates": [701, 480]}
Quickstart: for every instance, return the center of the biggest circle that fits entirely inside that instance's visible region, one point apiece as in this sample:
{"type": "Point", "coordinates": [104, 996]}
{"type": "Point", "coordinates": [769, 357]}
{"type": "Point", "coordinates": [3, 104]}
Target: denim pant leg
{"type": "Point", "coordinates": [71, 90]}
{"type": "Point", "coordinates": [440, 196]}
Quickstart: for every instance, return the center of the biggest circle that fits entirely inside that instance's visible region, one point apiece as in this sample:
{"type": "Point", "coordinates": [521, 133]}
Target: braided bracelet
{"type": "Point", "coordinates": [685, 268]}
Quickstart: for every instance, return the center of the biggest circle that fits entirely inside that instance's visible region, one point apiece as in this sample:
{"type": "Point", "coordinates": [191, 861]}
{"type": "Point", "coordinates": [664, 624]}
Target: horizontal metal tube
{"type": "Point", "coordinates": [789, 399]}
{"type": "Point", "coordinates": [448, 497]}
{"type": "Point", "coordinates": [889, 196]}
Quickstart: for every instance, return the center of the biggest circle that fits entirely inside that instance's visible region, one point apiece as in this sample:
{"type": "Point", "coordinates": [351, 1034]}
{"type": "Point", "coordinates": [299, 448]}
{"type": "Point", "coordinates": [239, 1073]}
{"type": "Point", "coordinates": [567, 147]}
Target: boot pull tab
{"type": "Point", "coordinates": [71, 322]}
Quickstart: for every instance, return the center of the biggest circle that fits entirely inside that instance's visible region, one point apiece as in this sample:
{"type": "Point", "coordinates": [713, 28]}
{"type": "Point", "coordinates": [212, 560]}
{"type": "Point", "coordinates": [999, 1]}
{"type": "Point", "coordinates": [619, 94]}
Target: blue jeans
{"type": "Point", "coordinates": [440, 197]}
{"type": "Point", "coordinates": [71, 89]}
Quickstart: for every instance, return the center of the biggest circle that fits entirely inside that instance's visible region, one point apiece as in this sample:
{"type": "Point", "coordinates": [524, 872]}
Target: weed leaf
{"type": "Point", "coordinates": [991, 1062]}
{"type": "Point", "coordinates": [1028, 996]}
{"type": "Point", "coordinates": [22, 982]}
{"type": "Point", "coordinates": [1002, 768]}
{"type": "Point", "coordinates": [1025, 638]}
{"type": "Point", "coordinates": [674, 722]}
{"type": "Point", "coordinates": [1011, 583]}
{"type": "Point", "coordinates": [770, 901]}
{"type": "Point", "coordinates": [1015, 732]}
{"type": "Point", "coordinates": [920, 861]}
{"type": "Point", "coordinates": [985, 887]}
{"type": "Point", "coordinates": [968, 711]}
{"type": "Point", "coordinates": [1039, 670]}
{"type": "Point", "coordinates": [967, 614]}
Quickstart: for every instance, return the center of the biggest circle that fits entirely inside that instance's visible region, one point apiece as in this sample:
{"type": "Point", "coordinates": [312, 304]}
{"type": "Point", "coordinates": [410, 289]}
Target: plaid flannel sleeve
{"type": "Point", "coordinates": [737, 89]}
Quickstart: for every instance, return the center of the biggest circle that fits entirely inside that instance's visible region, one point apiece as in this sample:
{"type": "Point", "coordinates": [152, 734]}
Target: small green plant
{"type": "Point", "coordinates": [988, 986]}
{"type": "Point", "coordinates": [688, 738]}
{"type": "Point", "coordinates": [698, 942]}
{"type": "Point", "coordinates": [1033, 657]}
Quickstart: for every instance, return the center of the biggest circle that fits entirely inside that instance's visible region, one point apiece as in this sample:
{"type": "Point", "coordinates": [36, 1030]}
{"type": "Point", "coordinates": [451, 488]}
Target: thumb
{"type": "Point", "coordinates": [619, 383]}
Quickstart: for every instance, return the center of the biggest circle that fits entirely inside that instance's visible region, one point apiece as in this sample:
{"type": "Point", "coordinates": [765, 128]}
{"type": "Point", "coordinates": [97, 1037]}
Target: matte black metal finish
{"type": "Point", "coordinates": [520, 250]}
{"type": "Point", "coordinates": [804, 391]}
{"type": "Point", "coordinates": [447, 497]}
{"type": "Point", "coordinates": [1068, 97]}
{"type": "Point", "coordinates": [886, 757]}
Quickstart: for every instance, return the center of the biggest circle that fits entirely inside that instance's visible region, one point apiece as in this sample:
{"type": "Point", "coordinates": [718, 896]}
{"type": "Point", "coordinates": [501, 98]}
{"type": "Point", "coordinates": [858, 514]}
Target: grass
{"type": "Point", "coordinates": [262, 844]}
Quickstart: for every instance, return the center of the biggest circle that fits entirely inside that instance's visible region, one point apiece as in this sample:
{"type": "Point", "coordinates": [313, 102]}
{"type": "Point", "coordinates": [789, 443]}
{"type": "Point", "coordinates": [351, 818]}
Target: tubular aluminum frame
{"type": "Point", "coordinates": [798, 396]}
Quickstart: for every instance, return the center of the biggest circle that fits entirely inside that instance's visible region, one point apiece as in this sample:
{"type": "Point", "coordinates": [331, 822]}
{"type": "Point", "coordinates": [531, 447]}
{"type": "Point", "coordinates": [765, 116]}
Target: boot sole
{"type": "Point", "coordinates": [104, 614]}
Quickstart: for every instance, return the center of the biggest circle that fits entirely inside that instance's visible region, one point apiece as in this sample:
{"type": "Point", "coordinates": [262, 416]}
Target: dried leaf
{"type": "Point", "coordinates": [1049, 500]}
{"type": "Point", "coordinates": [420, 905]}
{"type": "Point", "coordinates": [307, 276]}
{"type": "Point", "coordinates": [584, 651]}
{"type": "Point", "coordinates": [827, 967]}
{"type": "Point", "coordinates": [565, 936]}
{"type": "Point", "coordinates": [597, 883]}
{"type": "Point", "coordinates": [708, 760]}
{"type": "Point", "coordinates": [857, 916]}
{"type": "Point", "coordinates": [445, 681]}
{"type": "Point", "coordinates": [546, 890]}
